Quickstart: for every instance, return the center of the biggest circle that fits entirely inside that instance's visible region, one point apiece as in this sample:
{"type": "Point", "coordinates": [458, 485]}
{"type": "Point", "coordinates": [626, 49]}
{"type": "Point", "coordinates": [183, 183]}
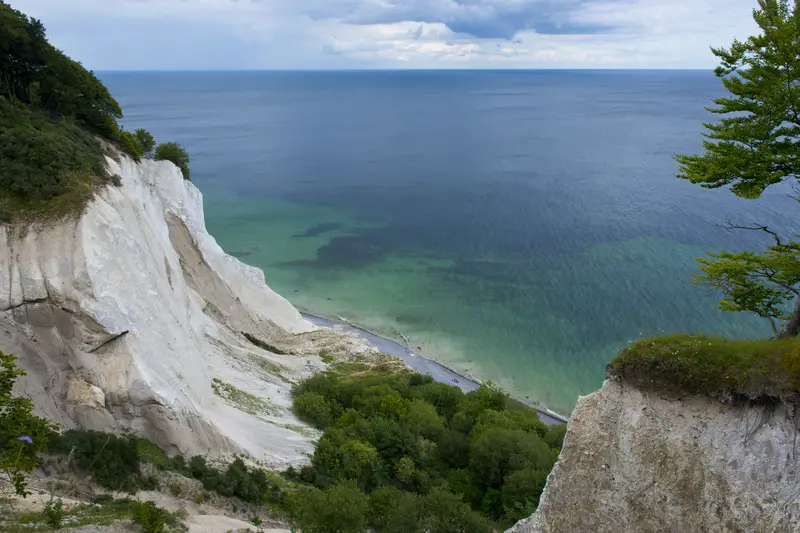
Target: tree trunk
{"type": "Point", "coordinates": [792, 327]}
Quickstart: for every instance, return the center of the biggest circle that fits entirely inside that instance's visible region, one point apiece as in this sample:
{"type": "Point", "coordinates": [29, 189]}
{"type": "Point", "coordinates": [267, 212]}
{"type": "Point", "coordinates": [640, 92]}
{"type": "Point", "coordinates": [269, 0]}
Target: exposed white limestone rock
{"type": "Point", "coordinates": [638, 462]}
{"type": "Point", "coordinates": [124, 316]}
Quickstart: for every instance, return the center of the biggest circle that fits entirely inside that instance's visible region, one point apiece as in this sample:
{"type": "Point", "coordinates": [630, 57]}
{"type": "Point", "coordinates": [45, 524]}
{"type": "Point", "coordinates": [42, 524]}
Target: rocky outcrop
{"type": "Point", "coordinates": [637, 461]}
{"type": "Point", "coordinates": [124, 317]}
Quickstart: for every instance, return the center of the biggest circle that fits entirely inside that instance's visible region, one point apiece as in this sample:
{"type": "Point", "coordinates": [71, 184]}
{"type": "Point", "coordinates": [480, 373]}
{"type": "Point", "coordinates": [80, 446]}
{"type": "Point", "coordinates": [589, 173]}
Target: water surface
{"type": "Point", "coordinates": [522, 226]}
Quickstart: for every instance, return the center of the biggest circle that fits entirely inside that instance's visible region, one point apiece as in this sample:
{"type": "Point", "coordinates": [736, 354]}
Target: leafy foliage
{"type": "Point", "coordinates": [52, 110]}
{"type": "Point", "coordinates": [150, 517]}
{"type": "Point", "coordinates": [687, 364]}
{"type": "Point", "coordinates": [753, 146]}
{"type": "Point", "coordinates": [54, 514]}
{"type": "Point", "coordinates": [171, 151]}
{"type": "Point", "coordinates": [23, 436]}
{"type": "Point", "coordinates": [130, 144]}
{"type": "Point", "coordinates": [37, 74]}
{"type": "Point", "coordinates": [248, 484]}
{"type": "Point", "coordinates": [341, 508]}
{"type": "Point", "coordinates": [450, 461]}
{"type": "Point", "coordinates": [756, 147]}
{"type": "Point", "coordinates": [47, 166]}
{"type": "Point", "coordinates": [113, 461]}
{"type": "Point", "coordinates": [758, 283]}
{"type": "Point", "coordinates": [146, 141]}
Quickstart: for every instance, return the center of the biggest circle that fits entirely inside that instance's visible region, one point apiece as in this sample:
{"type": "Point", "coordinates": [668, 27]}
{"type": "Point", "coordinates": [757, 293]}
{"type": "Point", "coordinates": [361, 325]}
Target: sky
{"type": "Point", "coordinates": [391, 34]}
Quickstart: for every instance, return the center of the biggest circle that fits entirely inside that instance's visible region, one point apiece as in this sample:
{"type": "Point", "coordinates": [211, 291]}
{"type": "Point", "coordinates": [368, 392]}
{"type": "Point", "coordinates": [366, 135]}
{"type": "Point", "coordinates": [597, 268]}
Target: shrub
{"type": "Point", "coordinates": [247, 484]}
{"type": "Point", "coordinates": [41, 157]}
{"type": "Point", "coordinates": [175, 489]}
{"type": "Point", "coordinates": [113, 461]}
{"type": "Point", "coordinates": [150, 517]}
{"type": "Point", "coordinates": [198, 467]}
{"type": "Point", "coordinates": [723, 368]}
{"type": "Point", "coordinates": [264, 345]}
{"type": "Point", "coordinates": [313, 408]}
{"type": "Point", "coordinates": [54, 514]}
{"type": "Point", "coordinates": [130, 144]}
{"type": "Point", "coordinates": [173, 152]}
{"type": "Point", "coordinates": [146, 140]}
{"type": "Point", "coordinates": [341, 508]}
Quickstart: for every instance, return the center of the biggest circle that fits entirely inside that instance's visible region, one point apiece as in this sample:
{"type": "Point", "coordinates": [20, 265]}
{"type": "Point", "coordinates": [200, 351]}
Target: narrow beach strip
{"type": "Point", "coordinates": [423, 365]}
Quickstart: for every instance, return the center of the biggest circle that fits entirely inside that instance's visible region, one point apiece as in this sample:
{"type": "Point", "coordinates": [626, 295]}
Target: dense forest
{"type": "Point", "coordinates": [408, 455]}
{"type": "Point", "coordinates": [55, 117]}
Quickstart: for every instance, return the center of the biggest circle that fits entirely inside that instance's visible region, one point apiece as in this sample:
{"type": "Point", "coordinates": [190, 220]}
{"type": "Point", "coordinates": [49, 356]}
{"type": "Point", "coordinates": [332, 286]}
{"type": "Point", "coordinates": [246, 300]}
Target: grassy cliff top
{"type": "Point", "coordinates": [723, 368]}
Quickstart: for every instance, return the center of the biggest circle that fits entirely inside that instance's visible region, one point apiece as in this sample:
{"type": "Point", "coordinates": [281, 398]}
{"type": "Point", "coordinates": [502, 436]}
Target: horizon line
{"type": "Point", "coordinates": [685, 69]}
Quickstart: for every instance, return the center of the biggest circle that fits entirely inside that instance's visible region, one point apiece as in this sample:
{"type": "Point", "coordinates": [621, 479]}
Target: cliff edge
{"type": "Point", "coordinates": [642, 461]}
{"type": "Point", "coordinates": [130, 317]}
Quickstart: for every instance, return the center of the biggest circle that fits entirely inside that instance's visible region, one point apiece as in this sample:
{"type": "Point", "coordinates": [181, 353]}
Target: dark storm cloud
{"type": "Point", "coordinates": [484, 19]}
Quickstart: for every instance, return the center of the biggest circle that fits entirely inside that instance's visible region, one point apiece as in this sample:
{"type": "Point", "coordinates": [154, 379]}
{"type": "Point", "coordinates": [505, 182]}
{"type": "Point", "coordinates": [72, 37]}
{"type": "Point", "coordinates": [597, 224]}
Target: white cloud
{"type": "Point", "coordinates": [197, 34]}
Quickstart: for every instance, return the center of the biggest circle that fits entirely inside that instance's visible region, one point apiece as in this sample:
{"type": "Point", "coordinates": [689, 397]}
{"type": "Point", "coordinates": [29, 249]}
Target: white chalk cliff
{"type": "Point", "coordinates": [124, 317]}
{"type": "Point", "coordinates": [636, 461]}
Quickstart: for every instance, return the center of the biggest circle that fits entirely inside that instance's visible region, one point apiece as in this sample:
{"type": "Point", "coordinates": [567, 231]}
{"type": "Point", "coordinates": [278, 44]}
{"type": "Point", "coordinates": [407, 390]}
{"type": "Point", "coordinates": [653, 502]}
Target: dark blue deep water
{"type": "Point", "coordinates": [522, 226]}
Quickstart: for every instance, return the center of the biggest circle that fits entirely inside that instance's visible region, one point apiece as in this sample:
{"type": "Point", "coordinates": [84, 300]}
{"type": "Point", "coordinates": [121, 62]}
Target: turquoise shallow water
{"type": "Point", "coordinates": [522, 226]}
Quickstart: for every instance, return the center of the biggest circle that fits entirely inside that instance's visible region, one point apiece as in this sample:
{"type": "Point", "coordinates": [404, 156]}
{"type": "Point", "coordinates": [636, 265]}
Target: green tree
{"type": "Point", "coordinates": [23, 435]}
{"type": "Point", "coordinates": [146, 140]}
{"type": "Point", "coordinates": [444, 512]}
{"type": "Point", "coordinates": [22, 48]}
{"type": "Point", "coordinates": [313, 407]}
{"type": "Point", "coordinates": [555, 436]}
{"type": "Point", "coordinates": [404, 470]}
{"type": "Point", "coordinates": [401, 514]}
{"type": "Point", "coordinates": [113, 461]}
{"type": "Point", "coordinates": [383, 504]}
{"type": "Point", "coordinates": [130, 144]}
{"type": "Point", "coordinates": [341, 508]}
{"type": "Point", "coordinates": [753, 146]}
{"type": "Point", "coordinates": [521, 491]}
{"type": "Point", "coordinates": [173, 152]}
{"type": "Point", "coordinates": [497, 453]}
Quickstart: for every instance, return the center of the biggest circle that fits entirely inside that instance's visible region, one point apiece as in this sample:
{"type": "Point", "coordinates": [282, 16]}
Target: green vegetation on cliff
{"type": "Point", "coordinates": [23, 435]}
{"type": "Point", "coordinates": [414, 455]}
{"type": "Point", "coordinates": [723, 368]}
{"type": "Point", "coordinates": [56, 120]}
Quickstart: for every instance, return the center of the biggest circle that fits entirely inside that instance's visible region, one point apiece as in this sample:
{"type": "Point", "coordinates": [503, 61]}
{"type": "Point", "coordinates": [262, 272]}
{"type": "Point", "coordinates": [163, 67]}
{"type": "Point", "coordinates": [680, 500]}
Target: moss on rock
{"type": "Point", "coordinates": [723, 368]}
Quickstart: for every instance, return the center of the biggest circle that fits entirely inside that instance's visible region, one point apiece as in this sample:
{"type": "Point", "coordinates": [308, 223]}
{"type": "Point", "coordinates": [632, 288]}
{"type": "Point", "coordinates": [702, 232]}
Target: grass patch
{"type": "Point", "coordinates": [104, 512]}
{"type": "Point", "coordinates": [151, 453]}
{"type": "Point", "coordinates": [243, 400]}
{"type": "Point", "coordinates": [326, 357]}
{"type": "Point", "coordinates": [271, 368]}
{"type": "Point", "coordinates": [724, 368]}
{"type": "Point", "coordinates": [264, 345]}
{"type": "Point", "coordinates": [301, 430]}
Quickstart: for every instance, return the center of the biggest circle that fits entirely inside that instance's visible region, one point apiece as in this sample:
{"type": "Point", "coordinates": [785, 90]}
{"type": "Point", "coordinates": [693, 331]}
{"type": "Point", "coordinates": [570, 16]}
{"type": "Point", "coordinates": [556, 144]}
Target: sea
{"type": "Point", "coordinates": [521, 226]}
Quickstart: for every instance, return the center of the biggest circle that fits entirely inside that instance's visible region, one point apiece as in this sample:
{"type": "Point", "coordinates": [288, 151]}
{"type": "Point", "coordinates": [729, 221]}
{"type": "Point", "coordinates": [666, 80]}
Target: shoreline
{"type": "Point", "coordinates": [422, 364]}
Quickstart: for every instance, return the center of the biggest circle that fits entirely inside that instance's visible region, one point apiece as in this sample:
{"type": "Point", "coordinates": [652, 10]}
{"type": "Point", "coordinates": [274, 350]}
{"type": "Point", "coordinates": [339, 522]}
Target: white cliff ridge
{"type": "Point", "coordinates": [131, 317]}
{"type": "Point", "coordinates": [636, 461]}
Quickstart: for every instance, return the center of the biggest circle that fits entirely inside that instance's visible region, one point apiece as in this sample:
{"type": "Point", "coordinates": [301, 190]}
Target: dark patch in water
{"type": "Point", "coordinates": [346, 252]}
{"type": "Point", "coordinates": [239, 255]}
{"type": "Point", "coordinates": [317, 230]}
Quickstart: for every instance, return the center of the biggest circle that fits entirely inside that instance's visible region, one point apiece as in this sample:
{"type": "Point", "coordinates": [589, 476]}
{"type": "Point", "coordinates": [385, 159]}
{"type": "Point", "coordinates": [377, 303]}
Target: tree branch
{"type": "Point", "coordinates": [756, 227]}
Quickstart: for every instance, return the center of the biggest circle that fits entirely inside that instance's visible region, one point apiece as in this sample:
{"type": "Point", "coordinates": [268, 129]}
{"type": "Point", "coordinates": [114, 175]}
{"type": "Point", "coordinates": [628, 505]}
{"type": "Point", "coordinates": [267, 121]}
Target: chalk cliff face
{"type": "Point", "coordinates": [125, 317]}
{"type": "Point", "coordinates": [635, 461]}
